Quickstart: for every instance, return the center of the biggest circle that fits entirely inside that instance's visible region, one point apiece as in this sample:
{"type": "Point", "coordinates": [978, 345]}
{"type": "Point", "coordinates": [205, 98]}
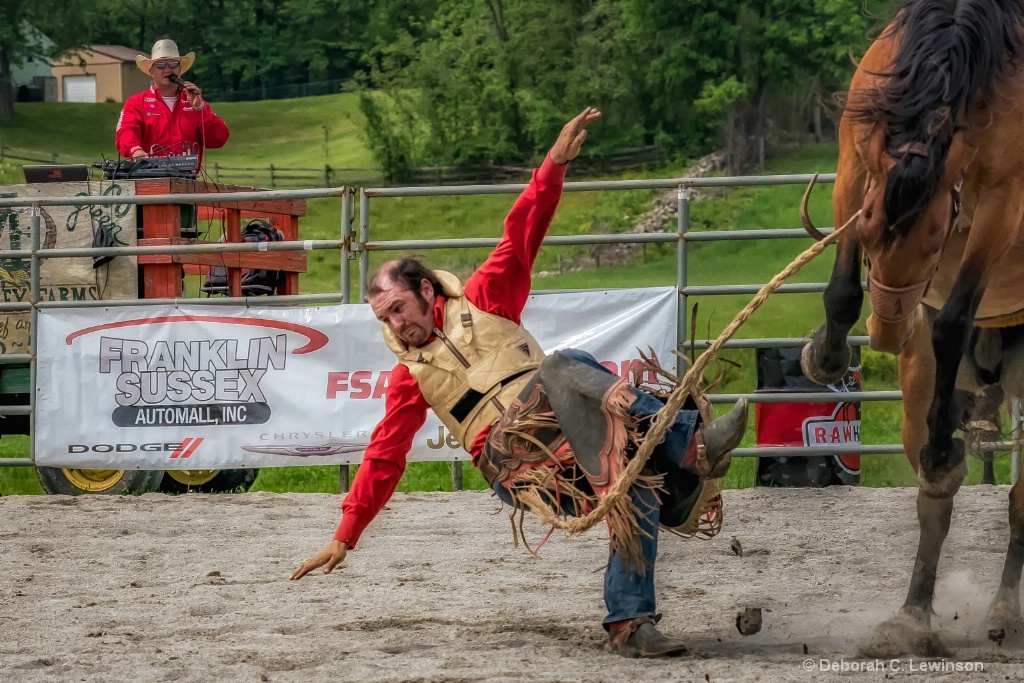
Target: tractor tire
{"type": "Point", "coordinates": [65, 481]}
{"type": "Point", "coordinates": [208, 481]}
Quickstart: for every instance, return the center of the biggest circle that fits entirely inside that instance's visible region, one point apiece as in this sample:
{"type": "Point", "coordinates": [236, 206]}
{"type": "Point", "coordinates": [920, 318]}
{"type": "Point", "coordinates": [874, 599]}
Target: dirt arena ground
{"type": "Point", "coordinates": [195, 588]}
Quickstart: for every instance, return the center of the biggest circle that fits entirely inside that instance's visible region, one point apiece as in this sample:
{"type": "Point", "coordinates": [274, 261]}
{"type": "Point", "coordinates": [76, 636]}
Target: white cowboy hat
{"type": "Point", "coordinates": [165, 49]}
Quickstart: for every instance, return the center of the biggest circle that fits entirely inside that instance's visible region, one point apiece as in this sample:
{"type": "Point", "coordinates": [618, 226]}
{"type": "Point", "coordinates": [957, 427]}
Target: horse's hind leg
{"type": "Point", "coordinates": [1004, 617]}
{"type": "Point", "coordinates": [910, 630]}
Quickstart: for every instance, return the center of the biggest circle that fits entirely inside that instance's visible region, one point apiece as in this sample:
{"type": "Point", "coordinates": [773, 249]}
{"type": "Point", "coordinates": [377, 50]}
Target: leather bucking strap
{"type": "Point", "coordinates": [895, 304]}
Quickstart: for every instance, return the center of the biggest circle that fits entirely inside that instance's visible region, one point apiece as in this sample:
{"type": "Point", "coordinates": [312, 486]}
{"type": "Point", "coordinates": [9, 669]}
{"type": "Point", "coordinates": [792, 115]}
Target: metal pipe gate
{"type": "Point", "coordinates": [358, 247]}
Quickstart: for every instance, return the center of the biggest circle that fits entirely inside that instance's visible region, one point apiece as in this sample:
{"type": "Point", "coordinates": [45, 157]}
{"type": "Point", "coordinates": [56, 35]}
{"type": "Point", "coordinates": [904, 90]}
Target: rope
{"type": "Point", "coordinates": [690, 382]}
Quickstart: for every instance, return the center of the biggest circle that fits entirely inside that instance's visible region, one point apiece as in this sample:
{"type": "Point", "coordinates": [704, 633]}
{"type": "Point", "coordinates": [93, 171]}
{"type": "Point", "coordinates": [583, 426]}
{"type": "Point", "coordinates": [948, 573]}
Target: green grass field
{"type": "Point", "coordinates": [291, 133]}
{"type": "Point", "coordinates": [306, 133]}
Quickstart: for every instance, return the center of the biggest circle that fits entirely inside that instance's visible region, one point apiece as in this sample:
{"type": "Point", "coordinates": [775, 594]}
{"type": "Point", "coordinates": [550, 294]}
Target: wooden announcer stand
{"type": "Point", "coordinates": [161, 225]}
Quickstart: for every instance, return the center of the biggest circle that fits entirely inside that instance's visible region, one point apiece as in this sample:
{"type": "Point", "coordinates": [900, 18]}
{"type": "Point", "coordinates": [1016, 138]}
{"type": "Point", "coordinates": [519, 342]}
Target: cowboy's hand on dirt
{"type": "Point", "coordinates": [330, 557]}
{"type": "Point", "coordinates": [569, 141]}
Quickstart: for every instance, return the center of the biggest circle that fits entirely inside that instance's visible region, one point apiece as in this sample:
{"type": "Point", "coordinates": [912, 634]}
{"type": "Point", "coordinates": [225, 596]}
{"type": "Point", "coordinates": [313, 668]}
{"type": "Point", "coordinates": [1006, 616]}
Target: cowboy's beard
{"type": "Point", "coordinates": [414, 334]}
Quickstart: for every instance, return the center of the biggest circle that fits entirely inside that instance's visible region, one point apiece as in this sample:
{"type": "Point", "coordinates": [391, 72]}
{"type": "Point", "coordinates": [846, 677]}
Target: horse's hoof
{"type": "Point", "coordinates": [944, 482]}
{"type": "Point", "coordinates": [903, 635]}
{"type": "Point", "coordinates": [811, 362]}
{"type": "Point", "coordinates": [1004, 622]}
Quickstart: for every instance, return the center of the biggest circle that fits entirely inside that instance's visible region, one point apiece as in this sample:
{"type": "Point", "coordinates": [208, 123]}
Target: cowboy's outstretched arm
{"type": "Point", "coordinates": [380, 471]}
{"type": "Point", "coordinates": [502, 284]}
{"type": "Point", "coordinates": [570, 140]}
{"type": "Point", "coordinates": [529, 219]}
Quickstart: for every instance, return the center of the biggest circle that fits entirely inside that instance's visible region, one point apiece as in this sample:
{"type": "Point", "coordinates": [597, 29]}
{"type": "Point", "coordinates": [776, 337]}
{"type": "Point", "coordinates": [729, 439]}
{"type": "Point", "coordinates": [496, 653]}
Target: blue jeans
{"type": "Point", "coordinates": [628, 594]}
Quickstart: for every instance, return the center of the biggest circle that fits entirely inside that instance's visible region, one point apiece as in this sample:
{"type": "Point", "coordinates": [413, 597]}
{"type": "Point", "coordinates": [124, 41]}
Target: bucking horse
{"type": "Point", "coordinates": [931, 155]}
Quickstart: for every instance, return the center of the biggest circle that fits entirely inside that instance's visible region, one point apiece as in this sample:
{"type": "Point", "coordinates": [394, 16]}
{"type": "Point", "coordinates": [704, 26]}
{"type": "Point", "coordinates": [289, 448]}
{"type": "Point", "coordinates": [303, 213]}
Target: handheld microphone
{"type": "Point", "coordinates": [177, 80]}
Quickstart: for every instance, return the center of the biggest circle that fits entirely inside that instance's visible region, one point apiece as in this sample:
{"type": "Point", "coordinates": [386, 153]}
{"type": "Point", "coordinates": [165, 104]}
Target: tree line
{"type": "Point", "coordinates": [453, 82]}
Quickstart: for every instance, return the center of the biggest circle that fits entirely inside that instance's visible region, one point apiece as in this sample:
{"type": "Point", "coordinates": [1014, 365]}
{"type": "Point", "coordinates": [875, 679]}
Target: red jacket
{"type": "Point", "coordinates": [146, 123]}
{"type": "Point", "coordinates": [500, 286]}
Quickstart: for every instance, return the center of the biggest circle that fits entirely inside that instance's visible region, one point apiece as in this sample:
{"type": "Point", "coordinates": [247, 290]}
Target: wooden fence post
{"type": "Point", "coordinates": [216, 172]}
{"type": "Point", "coordinates": [272, 175]}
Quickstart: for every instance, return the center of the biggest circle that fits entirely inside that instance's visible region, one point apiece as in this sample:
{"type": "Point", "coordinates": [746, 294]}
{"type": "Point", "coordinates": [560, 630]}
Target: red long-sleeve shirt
{"type": "Point", "coordinates": [147, 123]}
{"type": "Point", "coordinates": [500, 286]}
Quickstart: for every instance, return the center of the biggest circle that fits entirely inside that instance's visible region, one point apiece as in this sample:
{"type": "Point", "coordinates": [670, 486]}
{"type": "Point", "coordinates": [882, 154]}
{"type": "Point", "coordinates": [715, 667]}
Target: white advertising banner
{"type": "Point", "coordinates": [207, 387]}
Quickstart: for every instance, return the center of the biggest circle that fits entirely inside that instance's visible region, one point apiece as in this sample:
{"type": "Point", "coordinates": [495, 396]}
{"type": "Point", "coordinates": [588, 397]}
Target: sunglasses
{"type": "Point", "coordinates": [167, 65]}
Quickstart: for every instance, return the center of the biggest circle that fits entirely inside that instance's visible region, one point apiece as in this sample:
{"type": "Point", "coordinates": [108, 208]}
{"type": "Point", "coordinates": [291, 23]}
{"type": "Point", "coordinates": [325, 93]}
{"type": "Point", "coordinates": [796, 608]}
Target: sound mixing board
{"type": "Point", "coordinates": [178, 166]}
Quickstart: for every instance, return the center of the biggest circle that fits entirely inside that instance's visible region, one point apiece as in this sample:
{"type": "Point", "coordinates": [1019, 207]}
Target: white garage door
{"type": "Point", "coordinates": [80, 88]}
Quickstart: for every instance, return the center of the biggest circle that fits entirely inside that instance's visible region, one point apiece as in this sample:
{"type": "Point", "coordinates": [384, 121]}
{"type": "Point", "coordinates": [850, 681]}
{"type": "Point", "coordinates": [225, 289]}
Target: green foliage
{"type": "Point", "coordinates": [38, 30]}
{"type": "Point", "coordinates": [717, 99]}
{"type": "Point", "coordinates": [467, 92]}
{"type": "Point", "coordinates": [493, 80]}
{"type": "Point", "coordinates": [241, 45]}
{"type": "Point", "coordinates": [393, 144]}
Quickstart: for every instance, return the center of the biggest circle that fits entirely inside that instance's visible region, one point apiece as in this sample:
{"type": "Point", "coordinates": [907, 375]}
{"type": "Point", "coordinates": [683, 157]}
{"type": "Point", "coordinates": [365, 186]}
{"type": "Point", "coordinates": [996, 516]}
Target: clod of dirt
{"type": "Point", "coordinates": [748, 622]}
{"type": "Point", "coordinates": [734, 545]}
{"type": "Point", "coordinates": [997, 635]}
{"type": "Point", "coordinates": [214, 573]}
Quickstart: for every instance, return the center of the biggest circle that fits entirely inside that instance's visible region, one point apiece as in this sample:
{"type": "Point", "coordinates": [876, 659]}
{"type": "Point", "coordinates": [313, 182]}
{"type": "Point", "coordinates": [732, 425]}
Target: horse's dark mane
{"type": "Point", "coordinates": [949, 53]}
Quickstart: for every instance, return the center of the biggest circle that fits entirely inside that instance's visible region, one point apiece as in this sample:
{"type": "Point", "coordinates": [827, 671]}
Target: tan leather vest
{"type": "Point", "coordinates": [474, 369]}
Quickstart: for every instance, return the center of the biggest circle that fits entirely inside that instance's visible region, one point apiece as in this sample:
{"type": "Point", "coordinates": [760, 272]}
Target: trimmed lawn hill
{"type": "Point", "coordinates": [308, 132]}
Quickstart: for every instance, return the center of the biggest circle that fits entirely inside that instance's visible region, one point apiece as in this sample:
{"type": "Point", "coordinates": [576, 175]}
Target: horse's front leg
{"type": "Point", "coordinates": [826, 357]}
{"type": "Point", "coordinates": [941, 462]}
{"type": "Point", "coordinates": [910, 630]}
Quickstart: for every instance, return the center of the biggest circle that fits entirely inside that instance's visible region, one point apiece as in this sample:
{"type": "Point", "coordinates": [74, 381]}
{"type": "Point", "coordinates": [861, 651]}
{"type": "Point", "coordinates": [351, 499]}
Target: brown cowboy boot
{"type": "Point", "coordinates": [713, 442]}
{"type": "Point", "coordinates": [639, 638]}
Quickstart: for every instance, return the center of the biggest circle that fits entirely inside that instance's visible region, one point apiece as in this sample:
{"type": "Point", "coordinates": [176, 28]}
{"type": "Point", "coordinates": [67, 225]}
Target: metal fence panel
{"type": "Point", "coordinates": [350, 245]}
